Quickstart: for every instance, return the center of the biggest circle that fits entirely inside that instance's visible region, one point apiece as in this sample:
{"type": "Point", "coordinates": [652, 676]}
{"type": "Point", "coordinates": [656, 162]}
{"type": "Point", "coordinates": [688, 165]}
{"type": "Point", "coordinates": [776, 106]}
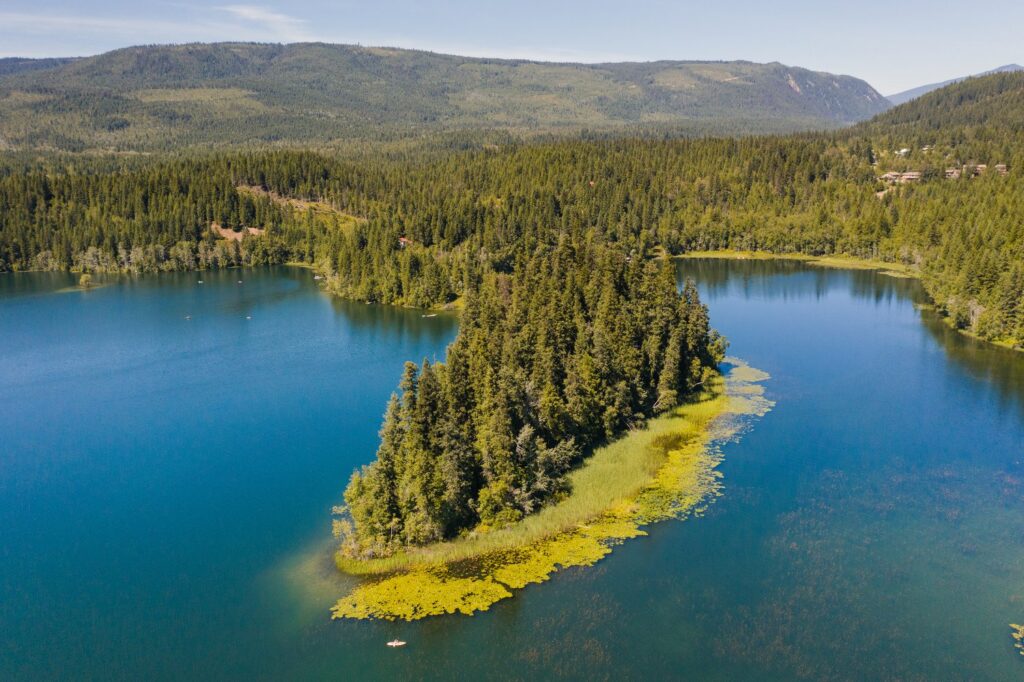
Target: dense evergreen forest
{"type": "Point", "coordinates": [575, 344]}
{"type": "Point", "coordinates": [572, 328]}
{"type": "Point", "coordinates": [415, 230]}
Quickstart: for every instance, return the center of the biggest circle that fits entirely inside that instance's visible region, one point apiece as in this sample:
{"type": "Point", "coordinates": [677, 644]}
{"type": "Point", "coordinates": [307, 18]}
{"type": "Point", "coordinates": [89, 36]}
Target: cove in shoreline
{"type": "Point", "coordinates": [682, 450]}
{"type": "Point", "coordinates": [841, 262]}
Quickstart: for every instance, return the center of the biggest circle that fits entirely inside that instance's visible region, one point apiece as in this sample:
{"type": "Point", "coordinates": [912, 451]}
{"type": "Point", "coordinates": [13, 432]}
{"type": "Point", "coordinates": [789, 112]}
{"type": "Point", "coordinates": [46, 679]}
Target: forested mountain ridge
{"type": "Point", "coordinates": [154, 98]}
{"type": "Point", "coordinates": [913, 93]}
{"type": "Point", "coordinates": [990, 108]}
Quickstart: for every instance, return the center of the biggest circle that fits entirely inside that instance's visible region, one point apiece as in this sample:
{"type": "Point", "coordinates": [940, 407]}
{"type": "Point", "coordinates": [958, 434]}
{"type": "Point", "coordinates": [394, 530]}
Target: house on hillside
{"type": "Point", "coordinates": [1001, 169]}
{"type": "Point", "coordinates": [953, 173]}
{"type": "Point", "coordinates": [893, 177]}
{"type": "Point", "coordinates": [404, 242]}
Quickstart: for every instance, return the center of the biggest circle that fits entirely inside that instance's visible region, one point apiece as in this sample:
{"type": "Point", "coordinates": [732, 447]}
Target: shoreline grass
{"type": "Point", "coordinates": [666, 470]}
{"type": "Point", "coordinates": [610, 478]}
{"type": "Point", "coordinates": [837, 261]}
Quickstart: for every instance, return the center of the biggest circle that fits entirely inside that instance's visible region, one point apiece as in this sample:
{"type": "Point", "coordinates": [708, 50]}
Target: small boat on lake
{"type": "Point", "coordinates": [431, 315]}
{"type": "Point", "coordinates": [396, 643]}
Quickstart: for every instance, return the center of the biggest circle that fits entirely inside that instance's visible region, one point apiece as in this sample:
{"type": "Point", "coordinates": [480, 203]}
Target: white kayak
{"type": "Point", "coordinates": [396, 642]}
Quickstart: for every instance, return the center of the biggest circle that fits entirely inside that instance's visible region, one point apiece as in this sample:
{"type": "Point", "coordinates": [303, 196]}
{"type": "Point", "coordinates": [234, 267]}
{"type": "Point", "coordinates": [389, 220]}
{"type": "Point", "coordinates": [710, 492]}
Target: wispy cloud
{"type": "Point", "coordinates": [37, 33]}
{"type": "Point", "coordinates": [50, 23]}
{"type": "Point", "coordinates": [286, 28]}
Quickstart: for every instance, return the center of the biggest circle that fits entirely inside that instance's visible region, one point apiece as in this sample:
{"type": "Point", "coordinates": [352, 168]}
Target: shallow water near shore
{"type": "Point", "coordinates": [166, 484]}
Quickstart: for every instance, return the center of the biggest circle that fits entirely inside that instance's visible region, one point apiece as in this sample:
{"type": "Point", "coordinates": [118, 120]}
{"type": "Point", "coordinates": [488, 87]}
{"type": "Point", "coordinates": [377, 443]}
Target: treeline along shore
{"type": "Point", "coordinates": [420, 230]}
{"type": "Point", "coordinates": [572, 328]}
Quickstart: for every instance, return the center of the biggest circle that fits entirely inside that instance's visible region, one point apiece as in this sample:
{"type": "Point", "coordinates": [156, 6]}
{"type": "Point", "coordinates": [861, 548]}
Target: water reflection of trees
{"type": "Point", "coordinates": [790, 280]}
{"type": "Point", "coordinates": [17, 284]}
{"type": "Point", "coordinates": [376, 323]}
{"type": "Point", "coordinates": [388, 323]}
{"type": "Point", "coordinates": [999, 367]}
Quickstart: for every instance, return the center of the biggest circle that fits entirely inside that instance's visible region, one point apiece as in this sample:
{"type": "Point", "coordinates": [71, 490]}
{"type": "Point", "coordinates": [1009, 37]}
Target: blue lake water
{"type": "Point", "coordinates": [170, 452]}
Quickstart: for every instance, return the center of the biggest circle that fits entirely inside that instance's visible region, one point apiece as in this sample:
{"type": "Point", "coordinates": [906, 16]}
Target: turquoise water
{"type": "Point", "coordinates": [166, 483]}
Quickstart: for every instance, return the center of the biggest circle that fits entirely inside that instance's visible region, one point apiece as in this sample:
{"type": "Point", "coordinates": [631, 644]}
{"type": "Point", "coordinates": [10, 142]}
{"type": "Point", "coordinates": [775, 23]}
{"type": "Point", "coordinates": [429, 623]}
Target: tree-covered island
{"type": "Point", "coordinates": [576, 344]}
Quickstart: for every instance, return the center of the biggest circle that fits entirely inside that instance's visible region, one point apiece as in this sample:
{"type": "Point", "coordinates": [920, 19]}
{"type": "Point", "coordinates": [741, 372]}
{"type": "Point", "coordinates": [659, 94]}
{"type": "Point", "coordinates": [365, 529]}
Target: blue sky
{"type": "Point", "coordinates": [893, 45]}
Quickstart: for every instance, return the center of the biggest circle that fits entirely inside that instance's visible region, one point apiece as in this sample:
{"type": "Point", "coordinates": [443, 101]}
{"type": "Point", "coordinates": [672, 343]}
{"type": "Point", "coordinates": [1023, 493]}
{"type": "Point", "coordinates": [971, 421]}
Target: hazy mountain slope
{"type": "Point", "coordinates": [13, 65]}
{"type": "Point", "coordinates": [913, 93]}
{"type": "Point", "coordinates": [162, 97]}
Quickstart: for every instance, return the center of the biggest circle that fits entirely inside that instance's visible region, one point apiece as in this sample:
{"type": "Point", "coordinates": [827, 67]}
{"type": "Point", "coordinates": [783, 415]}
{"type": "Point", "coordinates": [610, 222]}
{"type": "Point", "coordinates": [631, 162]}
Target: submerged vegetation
{"type": "Point", "coordinates": [678, 478]}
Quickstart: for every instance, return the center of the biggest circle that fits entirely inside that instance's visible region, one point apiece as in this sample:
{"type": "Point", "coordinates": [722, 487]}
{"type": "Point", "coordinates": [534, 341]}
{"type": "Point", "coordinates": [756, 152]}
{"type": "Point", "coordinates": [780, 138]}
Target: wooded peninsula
{"type": "Point", "coordinates": [572, 329]}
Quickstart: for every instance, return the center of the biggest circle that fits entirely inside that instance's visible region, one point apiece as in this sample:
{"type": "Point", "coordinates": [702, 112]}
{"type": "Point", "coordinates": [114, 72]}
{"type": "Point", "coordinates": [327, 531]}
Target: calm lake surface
{"type": "Point", "coordinates": [166, 486]}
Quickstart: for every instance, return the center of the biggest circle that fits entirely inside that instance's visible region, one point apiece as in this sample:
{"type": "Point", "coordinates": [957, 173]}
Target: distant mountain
{"type": "Point", "coordinates": [166, 97]}
{"type": "Point", "coordinates": [907, 95]}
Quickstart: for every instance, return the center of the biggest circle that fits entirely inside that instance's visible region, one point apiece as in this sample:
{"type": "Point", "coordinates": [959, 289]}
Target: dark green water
{"type": "Point", "coordinates": [165, 487]}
